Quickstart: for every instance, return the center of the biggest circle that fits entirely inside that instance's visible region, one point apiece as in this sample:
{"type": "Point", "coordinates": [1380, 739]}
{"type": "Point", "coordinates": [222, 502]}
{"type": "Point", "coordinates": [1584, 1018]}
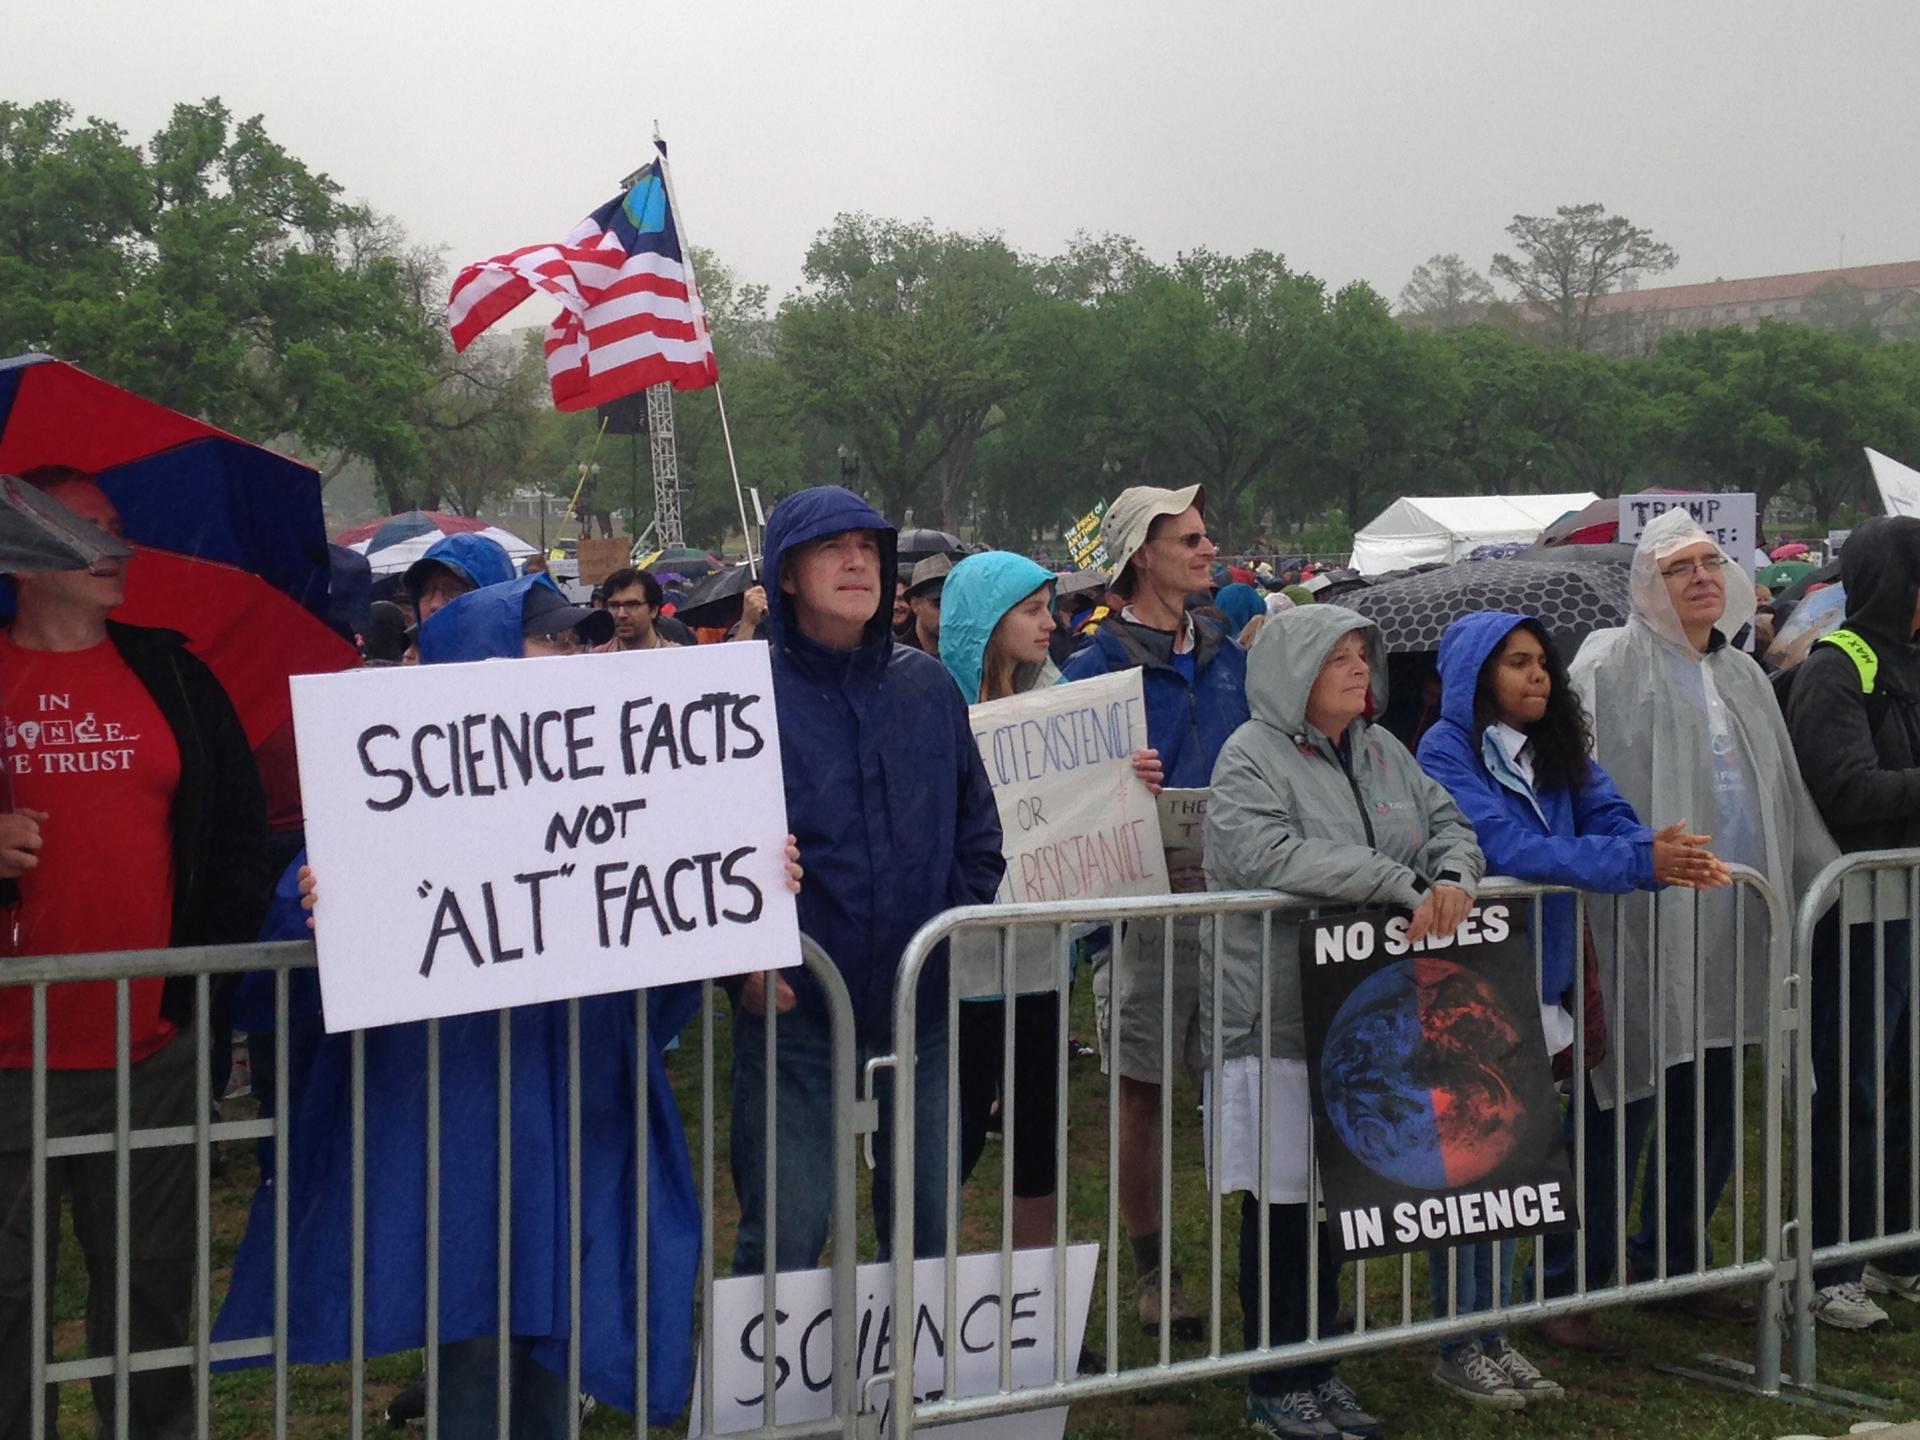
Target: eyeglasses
{"type": "Point", "coordinates": [1705, 565]}
{"type": "Point", "coordinates": [1192, 540]}
{"type": "Point", "coordinates": [620, 607]}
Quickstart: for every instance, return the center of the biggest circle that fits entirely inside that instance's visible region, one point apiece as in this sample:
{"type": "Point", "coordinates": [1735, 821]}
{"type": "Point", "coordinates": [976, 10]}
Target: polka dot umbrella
{"type": "Point", "coordinates": [1572, 598]}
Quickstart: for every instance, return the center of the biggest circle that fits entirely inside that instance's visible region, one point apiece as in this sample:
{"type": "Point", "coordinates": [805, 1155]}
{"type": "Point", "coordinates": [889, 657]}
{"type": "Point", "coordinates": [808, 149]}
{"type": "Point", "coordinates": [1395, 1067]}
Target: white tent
{"type": "Point", "coordinates": [1420, 530]}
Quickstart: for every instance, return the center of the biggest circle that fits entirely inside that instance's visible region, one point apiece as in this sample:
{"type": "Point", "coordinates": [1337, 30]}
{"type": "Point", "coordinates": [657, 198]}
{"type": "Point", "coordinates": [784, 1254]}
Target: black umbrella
{"type": "Point", "coordinates": [924, 544]}
{"type": "Point", "coordinates": [37, 532]}
{"type": "Point", "coordinates": [1571, 600]}
{"type": "Point", "coordinates": [716, 599]}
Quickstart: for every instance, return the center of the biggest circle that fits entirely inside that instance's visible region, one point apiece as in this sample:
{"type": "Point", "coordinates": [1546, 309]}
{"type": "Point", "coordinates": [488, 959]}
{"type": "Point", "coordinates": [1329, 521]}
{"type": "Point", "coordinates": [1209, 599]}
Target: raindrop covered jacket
{"type": "Point", "coordinates": [483, 624]}
{"type": "Point", "coordinates": [886, 792]}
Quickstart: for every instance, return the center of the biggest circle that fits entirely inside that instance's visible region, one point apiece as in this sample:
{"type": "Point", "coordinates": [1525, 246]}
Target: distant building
{"type": "Point", "coordinates": [1885, 296]}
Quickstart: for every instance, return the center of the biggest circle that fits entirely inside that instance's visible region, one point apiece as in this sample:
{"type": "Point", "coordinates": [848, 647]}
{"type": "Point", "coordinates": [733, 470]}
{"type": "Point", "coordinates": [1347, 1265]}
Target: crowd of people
{"type": "Point", "coordinates": [1654, 760]}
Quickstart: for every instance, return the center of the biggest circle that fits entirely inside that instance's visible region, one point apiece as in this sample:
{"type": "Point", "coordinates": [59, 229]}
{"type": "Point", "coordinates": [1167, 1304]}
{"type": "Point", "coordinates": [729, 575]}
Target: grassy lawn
{"type": "Point", "coordinates": [1630, 1398]}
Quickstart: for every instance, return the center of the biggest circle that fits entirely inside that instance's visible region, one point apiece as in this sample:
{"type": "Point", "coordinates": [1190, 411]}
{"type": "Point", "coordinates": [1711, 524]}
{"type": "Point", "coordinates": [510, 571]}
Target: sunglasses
{"type": "Point", "coordinates": [1192, 540]}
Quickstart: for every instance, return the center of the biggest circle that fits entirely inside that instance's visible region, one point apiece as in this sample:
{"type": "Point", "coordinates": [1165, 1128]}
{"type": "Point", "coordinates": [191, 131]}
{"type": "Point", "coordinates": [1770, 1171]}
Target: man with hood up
{"type": "Point", "coordinates": [1853, 709]}
{"type": "Point", "coordinates": [895, 822]}
{"type": "Point", "coordinates": [1688, 728]}
{"type": "Point", "coordinates": [452, 566]}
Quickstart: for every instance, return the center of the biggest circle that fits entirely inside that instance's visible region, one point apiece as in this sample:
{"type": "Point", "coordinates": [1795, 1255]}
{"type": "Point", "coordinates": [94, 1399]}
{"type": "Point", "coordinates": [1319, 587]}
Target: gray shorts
{"type": "Point", "coordinates": [1140, 978]}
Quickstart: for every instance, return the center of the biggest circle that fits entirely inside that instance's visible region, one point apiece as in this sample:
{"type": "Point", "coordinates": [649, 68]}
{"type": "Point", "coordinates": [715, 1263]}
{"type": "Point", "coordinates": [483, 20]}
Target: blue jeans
{"type": "Point", "coordinates": [1473, 1288]}
{"type": "Point", "coordinates": [1600, 1226]}
{"type": "Point", "coordinates": [469, 1380]}
{"type": "Point", "coordinates": [1865, 1088]}
{"type": "Point", "coordinates": [803, 1190]}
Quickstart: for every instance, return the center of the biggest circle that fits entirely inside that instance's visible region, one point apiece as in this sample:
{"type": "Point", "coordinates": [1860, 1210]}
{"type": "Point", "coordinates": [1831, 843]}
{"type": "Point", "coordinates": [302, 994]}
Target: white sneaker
{"type": "Point", "coordinates": [1846, 1307]}
{"type": "Point", "coordinates": [1471, 1374]}
{"type": "Point", "coordinates": [1907, 1287]}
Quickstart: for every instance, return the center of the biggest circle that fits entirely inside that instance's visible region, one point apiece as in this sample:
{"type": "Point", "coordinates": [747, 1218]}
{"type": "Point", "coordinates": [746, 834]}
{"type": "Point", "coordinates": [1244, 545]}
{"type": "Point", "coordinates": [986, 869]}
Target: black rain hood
{"type": "Point", "coordinates": [1880, 566]}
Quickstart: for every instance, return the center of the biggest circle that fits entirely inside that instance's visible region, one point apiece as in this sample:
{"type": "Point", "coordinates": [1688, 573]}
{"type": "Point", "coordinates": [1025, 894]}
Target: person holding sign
{"type": "Point", "coordinates": [896, 821]}
{"type": "Point", "coordinates": [1688, 727]}
{"type": "Point", "coordinates": [1513, 747]}
{"type": "Point", "coordinates": [1309, 797]}
{"type": "Point", "coordinates": [1194, 678]}
{"type": "Point", "coordinates": [996, 628]}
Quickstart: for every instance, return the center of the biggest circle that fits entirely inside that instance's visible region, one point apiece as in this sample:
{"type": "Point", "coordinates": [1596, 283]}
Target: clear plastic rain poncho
{"type": "Point", "coordinates": [1698, 737]}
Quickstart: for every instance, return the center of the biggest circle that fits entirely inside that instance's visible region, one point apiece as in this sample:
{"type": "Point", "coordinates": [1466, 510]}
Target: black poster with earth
{"type": "Point", "coordinates": [1434, 1111]}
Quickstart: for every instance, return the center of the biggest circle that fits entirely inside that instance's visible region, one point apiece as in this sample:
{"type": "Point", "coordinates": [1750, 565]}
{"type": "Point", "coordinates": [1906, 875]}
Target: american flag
{"type": "Point", "coordinates": [630, 313]}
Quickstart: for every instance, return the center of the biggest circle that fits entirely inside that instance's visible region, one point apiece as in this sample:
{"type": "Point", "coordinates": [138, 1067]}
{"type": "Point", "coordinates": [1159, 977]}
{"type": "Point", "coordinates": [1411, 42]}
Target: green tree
{"type": "Point", "coordinates": [213, 272]}
{"type": "Point", "coordinates": [1446, 293]}
{"type": "Point", "coordinates": [899, 342]}
{"type": "Point", "coordinates": [1566, 261]}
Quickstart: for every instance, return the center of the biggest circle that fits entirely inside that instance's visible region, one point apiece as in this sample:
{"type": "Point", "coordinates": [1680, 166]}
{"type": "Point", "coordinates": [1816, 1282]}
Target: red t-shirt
{"type": "Point", "coordinates": [82, 740]}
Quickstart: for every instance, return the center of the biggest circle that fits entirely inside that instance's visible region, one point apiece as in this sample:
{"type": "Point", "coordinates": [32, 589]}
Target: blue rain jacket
{"type": "Point", "coordinates": [476, 559]}
{"type": "Point", "coordinates": [1186, 723]}
{"type": "Point", "coordinates": [1589, 838]}
{"type": "Point", "coordinates": [979, 591]}
{"type": "Point", "coordinates": [482, 624]}
{"type": "Point", "coordinates": [886, 792]}
{"type": "Point", "coordinates": [319, 1197]}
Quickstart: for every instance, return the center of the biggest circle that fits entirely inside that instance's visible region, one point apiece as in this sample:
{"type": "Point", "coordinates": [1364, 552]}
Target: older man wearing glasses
{"type": "Point", "coordinates": [1195, 681]}
{"type": "Point", "coordinates": [1687, 726]}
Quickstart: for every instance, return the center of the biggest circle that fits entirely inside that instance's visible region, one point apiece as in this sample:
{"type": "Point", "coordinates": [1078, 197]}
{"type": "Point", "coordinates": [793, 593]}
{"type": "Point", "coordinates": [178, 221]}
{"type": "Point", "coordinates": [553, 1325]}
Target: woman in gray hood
{"type": "Point", "coordinates": [1311, 798]}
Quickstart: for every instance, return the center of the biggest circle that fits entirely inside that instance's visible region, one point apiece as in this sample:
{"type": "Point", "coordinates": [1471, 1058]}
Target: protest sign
{"type": "Point", "coordinates": [505, 832]}
{"type": "Point", "coordinates": [1084, 543]}
{"type": "Point", "coordinates": [804, 1341]}
{"type": "Point", "coordinates": [600, 558]}
{"type": "Point", "coordinates": [1899, 485]}
{"type": "Point", "coordinates": [1730, 520]}
{"type": "Point", "coordinates": [1183, 835]}
{"type": "Point", "coordinates": [1077, 822]}
{"type": "Point", "coordinates": [1434, 1113]}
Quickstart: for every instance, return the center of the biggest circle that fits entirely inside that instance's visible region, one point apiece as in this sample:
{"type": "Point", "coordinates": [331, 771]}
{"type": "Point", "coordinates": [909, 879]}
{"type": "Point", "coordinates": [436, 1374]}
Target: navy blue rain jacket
{"type": "Point", "coordinates": [1588, 838]}
{"type": "Point", "coordinates": [319, 1199]}
{"type": "Point", "coordinates": [886, 793]}
{"type": "Point", "coordinates": [1186, 723]}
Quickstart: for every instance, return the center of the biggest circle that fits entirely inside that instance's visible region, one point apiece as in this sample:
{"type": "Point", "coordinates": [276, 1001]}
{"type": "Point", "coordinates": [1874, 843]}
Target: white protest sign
{"type": "Point", "coordinates": [1183, 834]}
{"type": "Point", "coordinates": [1730, 520]}
{"type": "Point", "coordinates": [1899, 485]}
{"type": "Point", "coordinates": [511, 831]}
{"type": "Point", "coordinates": [1076, 820]}
{"type": "Point", "coordinates": [804, 1341]}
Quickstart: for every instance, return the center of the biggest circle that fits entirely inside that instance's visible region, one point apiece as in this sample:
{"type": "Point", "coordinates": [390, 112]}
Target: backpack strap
{"type": "Point", "coordinates": [1857, 650]}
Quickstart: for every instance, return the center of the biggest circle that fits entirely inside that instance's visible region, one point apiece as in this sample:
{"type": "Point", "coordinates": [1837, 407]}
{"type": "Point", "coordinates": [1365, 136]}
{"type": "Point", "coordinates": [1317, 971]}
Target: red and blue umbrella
{"type": "Point", "coordinates": [230, 543]}
{"type": "Point", "coordinates": [392, 544]}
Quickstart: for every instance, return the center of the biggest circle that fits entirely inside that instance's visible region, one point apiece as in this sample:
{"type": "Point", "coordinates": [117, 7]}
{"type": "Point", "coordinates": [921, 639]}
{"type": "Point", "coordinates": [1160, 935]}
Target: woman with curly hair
{"type": "Point", "coordinates": [1513, 746]}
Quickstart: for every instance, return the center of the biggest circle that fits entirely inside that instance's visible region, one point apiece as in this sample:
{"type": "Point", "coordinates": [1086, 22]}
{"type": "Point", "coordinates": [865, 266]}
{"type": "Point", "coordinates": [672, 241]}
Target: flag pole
{"type": "Point", "coordinates": [693, 289]}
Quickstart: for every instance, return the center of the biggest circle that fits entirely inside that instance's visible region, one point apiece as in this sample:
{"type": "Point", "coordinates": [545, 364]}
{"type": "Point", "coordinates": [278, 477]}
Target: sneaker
{"type": "Point", "coordinates": [1183, 1319]}
{"type": "Point", "coordinates": [1294, 1416]}
{"type": "Point", "coordinates": [1846, 1307]}
{"type": "Point", "coordinates": [1880, 1282]}
{"type": "Point", "coordinates": [1342, 1409]}
{"type": "Point", "coordinates": [1522, 1374]}
{"type": "Point", "coordinates": [1470, 1373]}
{"type": "Point", "coordinates": [409, 1404]}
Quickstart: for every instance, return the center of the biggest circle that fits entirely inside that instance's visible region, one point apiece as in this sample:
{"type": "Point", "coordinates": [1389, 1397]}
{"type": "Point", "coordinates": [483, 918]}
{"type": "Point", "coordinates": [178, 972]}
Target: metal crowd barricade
{"type": "Point", "coordinates": [281, 960]}
{"type": "Point", "coordinates": [1869, 901]}
{"type": "Point", "coordinates": [1751, 1259]}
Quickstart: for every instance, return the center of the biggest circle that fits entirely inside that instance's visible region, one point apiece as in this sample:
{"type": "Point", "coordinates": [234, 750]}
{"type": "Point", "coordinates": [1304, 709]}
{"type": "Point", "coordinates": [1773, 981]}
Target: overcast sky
{"type": "Point", "coordinates": [1357, 139]}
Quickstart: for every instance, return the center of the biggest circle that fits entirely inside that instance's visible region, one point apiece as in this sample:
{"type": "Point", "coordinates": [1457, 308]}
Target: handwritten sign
{"type": "Point", "coordinates": [512, 831]}
{"type": "Point", "coordinates": [1077, 821]}
{"type": "Point", "coordinates": [1729, 520]}
{"type": "Point", "coordinates": [1183, 834]}
{"type": "Point", "coordinates": [804, 1341]}
{"type": "Point", "coordinates": [1083, 540]}
{"type": "Point", "coordinates": [1899, 485]}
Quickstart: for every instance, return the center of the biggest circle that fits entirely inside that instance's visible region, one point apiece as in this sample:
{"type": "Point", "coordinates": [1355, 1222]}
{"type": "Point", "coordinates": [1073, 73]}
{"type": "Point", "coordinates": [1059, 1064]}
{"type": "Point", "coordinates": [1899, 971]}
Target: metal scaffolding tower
{"type": "Point", "coordinates": [666, 467]}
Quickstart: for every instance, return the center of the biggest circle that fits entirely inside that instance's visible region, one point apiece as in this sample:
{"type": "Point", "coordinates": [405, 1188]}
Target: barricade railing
{"type": "Point", "coordinates": [125, 1365]}
{"type": "Point", "coordinates": [1713, 1072]}
{"type": "Point", "coordinates": [1857, 949]}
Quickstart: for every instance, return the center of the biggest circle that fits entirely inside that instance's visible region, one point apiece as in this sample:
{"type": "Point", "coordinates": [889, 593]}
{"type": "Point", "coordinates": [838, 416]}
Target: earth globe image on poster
{"type": "Point", "coordinates": [1411, 1074]}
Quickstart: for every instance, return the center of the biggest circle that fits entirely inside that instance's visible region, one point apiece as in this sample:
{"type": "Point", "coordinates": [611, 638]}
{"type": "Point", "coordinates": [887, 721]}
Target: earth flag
{"type": "Point", "coordinates": [1435, 1117]}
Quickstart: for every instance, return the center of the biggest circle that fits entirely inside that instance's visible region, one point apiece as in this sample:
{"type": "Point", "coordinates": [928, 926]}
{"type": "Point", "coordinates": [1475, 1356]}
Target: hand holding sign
{"type": "Point", "coordinates": [1441, 913]}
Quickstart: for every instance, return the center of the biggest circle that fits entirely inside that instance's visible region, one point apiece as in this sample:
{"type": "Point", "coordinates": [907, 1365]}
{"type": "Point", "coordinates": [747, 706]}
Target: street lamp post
{"type": "Point", "coordinates": [849, 469]}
